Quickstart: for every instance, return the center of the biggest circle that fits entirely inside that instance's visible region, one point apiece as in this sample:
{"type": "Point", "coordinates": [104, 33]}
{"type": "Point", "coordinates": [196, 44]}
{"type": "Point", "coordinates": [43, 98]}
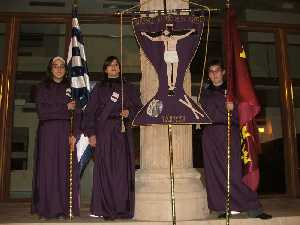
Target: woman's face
{"type": "Point", "coordinates": [113, 69]}
{"type": "Point", "coordinates": [216, 75]}
{"type": "Point", "coordinates": [58, 70]}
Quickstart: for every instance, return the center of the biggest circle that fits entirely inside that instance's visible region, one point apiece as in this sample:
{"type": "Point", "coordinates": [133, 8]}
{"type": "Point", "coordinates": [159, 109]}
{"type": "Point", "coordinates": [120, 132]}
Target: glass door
{"type": "Point", "coordinates": [38, 42]}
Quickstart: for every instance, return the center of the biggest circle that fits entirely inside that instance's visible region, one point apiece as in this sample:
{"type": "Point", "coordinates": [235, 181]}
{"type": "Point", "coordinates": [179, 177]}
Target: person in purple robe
{"type": "Point", "coordinates": [50, 191]}
{"type": "Point", "coordinates": [214, 145]}
{"type": "Point", "coordinates": [114, 168]}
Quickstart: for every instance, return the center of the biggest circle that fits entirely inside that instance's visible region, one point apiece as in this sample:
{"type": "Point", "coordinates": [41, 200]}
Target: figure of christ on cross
{"type": "Point", "coordinates": [170, 53]}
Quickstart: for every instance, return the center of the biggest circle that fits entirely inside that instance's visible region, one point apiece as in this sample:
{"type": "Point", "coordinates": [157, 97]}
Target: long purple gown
{"type": "Point", "coordinates": [113, 175]}
{"type": "Point", "coordinates": [50, 182]}
{"type": "Point", "coordinates": [214, 143]}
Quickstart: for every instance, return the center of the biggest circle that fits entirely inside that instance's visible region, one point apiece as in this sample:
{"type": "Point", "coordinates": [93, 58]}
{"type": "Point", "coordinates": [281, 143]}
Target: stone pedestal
{"type": "Point", "coordinates": [153, 198]}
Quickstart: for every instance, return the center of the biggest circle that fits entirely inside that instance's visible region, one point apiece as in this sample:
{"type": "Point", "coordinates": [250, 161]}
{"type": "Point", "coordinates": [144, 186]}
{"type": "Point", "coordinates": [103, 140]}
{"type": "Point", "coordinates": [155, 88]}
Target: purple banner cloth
{"type": "Point", "coordinates": [170, 105]}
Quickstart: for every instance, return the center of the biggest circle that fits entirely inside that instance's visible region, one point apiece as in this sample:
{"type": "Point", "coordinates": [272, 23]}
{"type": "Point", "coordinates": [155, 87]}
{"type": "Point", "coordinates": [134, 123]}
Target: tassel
{"type": "Point", "coordinates": [123, 126]}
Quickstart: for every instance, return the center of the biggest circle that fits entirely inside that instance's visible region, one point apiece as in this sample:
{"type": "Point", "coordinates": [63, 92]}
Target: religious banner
{"type": "Point", "coordinates": [241, 90]}
{"type": "Point", "coordinates": [170, 43]}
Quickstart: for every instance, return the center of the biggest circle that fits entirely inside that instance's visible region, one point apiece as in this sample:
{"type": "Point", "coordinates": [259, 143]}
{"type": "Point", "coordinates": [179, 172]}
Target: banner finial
{"type": "Point", "coordinates": [227, 3]}
{"type": "Point", "coordinates": [75, 3]}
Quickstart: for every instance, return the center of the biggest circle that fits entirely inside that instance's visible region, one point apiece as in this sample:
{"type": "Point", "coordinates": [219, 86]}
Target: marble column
{"type": "Point", "coordinates": [153, 201]}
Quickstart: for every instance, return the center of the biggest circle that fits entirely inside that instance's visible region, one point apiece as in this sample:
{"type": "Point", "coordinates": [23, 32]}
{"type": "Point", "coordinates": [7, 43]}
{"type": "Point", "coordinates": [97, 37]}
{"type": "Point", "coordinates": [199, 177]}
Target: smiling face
{"type": "Point", "coordinates": [113, 69]}
{"type": "Point", "coordinates": [216, 75]}
{"type": "Point", "coordinates": [58, 70]}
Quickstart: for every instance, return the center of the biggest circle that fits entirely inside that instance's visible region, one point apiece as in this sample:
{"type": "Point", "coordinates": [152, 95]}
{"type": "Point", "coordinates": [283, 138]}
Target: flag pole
{"type": "Point", "coordinates": [170, 135]}
{"type": "Point", "coordinates": [123, 128]}
{"type": "Point", "coordinates": [72, 148]}
{"type": "Point", "coordinates": [228, 166]}
{"type": "Point", "coordinates": [227, 4]}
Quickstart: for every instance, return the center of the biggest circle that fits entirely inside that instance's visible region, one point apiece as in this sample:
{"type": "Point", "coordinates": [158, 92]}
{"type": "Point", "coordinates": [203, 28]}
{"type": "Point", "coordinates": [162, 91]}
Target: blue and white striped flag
{"type": "Point", "coordinates": [80, 84]}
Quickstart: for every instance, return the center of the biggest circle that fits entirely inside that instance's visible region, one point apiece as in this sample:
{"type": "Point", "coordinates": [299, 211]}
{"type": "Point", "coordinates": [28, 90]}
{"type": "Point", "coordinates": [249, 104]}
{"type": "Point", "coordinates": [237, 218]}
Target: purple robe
{"type": "Point", "coordinates": [50, 194]}
{"type": "Point", "coordinates": [113, 175]}
{"type": "Point", "coordinates": [214, 144]}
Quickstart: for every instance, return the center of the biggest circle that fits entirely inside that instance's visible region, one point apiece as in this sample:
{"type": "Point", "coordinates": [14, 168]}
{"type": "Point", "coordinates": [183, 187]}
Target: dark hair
{"type": "Point", "coordinates": [108, 61]}
{"type": "Point", "coordinates": [49, 73]}
{"type": "Point", "coordinates": [215, 62]}
{"type": "Point", "coordinates": [169, 28]}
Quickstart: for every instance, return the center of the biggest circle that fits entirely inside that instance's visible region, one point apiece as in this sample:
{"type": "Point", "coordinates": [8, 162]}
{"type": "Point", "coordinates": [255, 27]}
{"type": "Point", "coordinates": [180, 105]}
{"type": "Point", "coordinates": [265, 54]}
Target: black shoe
{"type": "Point", "coordinates": [264, 216]}
{"type": "Point", "coordinates": [108, 218]}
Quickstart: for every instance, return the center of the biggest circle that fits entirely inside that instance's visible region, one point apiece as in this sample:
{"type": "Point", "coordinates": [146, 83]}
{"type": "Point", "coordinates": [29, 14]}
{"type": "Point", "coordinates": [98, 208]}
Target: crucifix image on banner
{"type": "Point", "coordinates": [170, 43]}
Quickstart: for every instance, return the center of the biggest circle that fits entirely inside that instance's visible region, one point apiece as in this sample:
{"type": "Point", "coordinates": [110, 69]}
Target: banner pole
{"type": "Point", "coordinates": [228, 167]}
{"type": "Point", "coordinates": [227, 5]}
{"type": "Point", "coordinates": [170, 135]}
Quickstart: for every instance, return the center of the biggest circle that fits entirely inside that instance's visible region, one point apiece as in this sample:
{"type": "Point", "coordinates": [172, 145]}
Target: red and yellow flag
{"type": "Point", "coordinates": [241, 91]}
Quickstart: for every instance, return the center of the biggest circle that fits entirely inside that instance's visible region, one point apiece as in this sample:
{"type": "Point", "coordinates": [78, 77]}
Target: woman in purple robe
{"type": "Point", "coordinates": [114, 168]}
{"type": "Point", "coordinates": [214, 144]}
{"type": "Point", "coordinates": [50, 192]}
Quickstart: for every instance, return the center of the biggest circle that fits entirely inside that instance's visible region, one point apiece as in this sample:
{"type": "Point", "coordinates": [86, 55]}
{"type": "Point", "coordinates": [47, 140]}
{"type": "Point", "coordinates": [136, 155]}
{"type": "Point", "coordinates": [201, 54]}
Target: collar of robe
{"type": "Point", "coordinates": [110, 81]}
{"type": "Point", "coordinates": [221, 88]}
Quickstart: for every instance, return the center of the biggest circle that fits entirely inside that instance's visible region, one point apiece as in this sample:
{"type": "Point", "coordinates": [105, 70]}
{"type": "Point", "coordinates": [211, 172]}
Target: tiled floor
{"type": "Point", "coordinates": [285, 212]}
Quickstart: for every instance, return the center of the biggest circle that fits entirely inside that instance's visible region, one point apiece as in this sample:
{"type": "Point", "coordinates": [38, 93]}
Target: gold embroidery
{"type": "Point", "coordinates": [173, 119]}
{"type": "Point", "coordinates": [245, 132]}
{"type": "Point", "coordinates": [245, 157]}
{"type": "Point", "coordinates": [243, 53]}
{"type": "Point", "coordinates": [245, 154]}
{"type": "Point", "coordinates": [168, 19]}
